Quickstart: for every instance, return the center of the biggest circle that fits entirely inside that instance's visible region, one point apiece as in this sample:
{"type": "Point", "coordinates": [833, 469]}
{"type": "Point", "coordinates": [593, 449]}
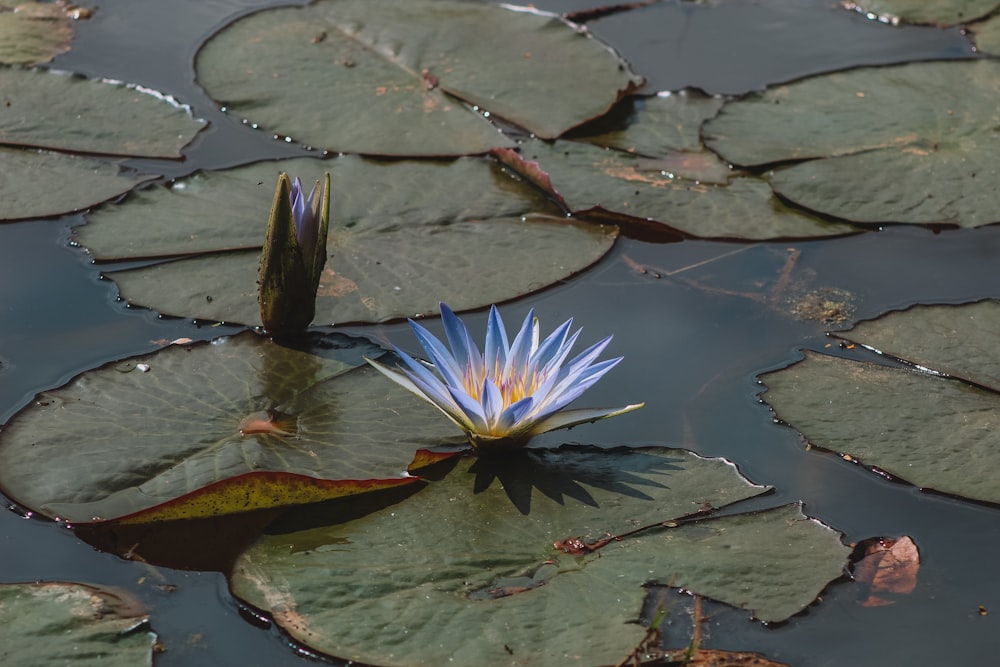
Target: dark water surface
{"type": "Point", "coordinates": [697, 323]}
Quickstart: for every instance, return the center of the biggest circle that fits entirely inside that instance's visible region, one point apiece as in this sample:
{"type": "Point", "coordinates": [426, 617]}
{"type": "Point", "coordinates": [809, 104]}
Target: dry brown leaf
{"type": "Point", "coordinates": [717, 658]}
{"type": "Point", "coordinates": [887, 566]}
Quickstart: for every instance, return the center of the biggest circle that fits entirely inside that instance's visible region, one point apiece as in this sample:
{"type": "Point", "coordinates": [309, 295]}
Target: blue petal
{"type": "Point", "coordinates": [438, 389]}
{"type": "Point", "coordinates": [585, 358]}
{"type": "Point", "coordinates": [551, 346]}
{"type": "Point", "coordinates": [524, 343]}
{"type": "Point", "coordinates": [571, 387]}
{"type": "Point", "coordinates": [511, 417]}
{"type": "Point", "coordinates": [568, 418]}
{"type": "Point", "coordinates": [492, 401]}
{"type": "Point", "coordinates": [397, 376]}
{"type": "Point", "coordinates": [495, 353]}
{"type": "Point", "coordinates": [472, 410]}
{"type": "Point", "coordinates": [542, 396]}
{"type": "Point", "coordinates": [298, 206]}
{"type": "Point", "coordinates": [312, 196]}
{"type": "Point", "coordinates": [307, 221]}
{"type": "Point", "coordinates": [552, 366]}
{"type": "Point", "coordinates": [409, 381]}
{"type": "Point", "coordinates": [444, 362]}
{"type": "Point", "coordinates": [466, 353]}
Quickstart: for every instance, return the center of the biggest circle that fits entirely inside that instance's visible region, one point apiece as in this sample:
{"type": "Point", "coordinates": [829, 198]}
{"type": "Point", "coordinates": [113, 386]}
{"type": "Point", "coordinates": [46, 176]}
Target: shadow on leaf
{"type": "Point", "coordinates": [559, 477]}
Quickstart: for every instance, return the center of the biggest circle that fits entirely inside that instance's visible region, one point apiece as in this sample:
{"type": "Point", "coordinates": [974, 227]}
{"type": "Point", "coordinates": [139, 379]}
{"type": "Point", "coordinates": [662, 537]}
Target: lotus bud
{"type": "Point", "coordinates": [293, 256]}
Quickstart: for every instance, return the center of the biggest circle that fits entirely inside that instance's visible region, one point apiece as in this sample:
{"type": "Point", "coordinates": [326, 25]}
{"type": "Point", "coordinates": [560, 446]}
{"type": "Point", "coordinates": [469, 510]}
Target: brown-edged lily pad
{"type": "Point", "coordinates": [539, 558]}
{"type": "Point", "coordinates": [913, 143]}
{"type": "Point", "coordinates": [932, 424]}
{"type": "Point", "coordinates": [403, 237]}
{"type": "Point", "coordinates": [136, 435]}
{"type": "Point", "coordinates": [400, 78]}
{"type": "Point", "coordinates": [57, 623]}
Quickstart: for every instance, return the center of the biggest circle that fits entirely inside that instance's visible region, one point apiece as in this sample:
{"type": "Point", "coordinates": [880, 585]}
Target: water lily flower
{"type": "Point", "coordinates": [294, 254]}
{"type": "Point", "coordinates": [503, 396]}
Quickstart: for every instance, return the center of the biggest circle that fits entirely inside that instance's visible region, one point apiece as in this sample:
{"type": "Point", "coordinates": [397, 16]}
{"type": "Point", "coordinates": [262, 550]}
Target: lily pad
{"type": "Point", "coordinates": [898, 144]}
{"type": "Point", "coordinates": [397, 76]}
{"type": "Point", "coordinates": [39, 184]}
{"type": "Point", "coordinates": [404, 236]}
{"type": "Point", "coordinates": [134, 435]}
{"type": "Point", "coordinates": [732, 47]}
{"type": "Point", "coordinates": [987, 35]}
{"type": "Point", "coordinates": [936, 428]}
{"type": "Point", "coordinates": [589, 177]}
{"type": "Point", "coordinates": [58, 623]}
{"type": "Point", "coordinates": [68, 112]}
{"type": "Point", "coordinates": [659, 125]}
{"type": "Point", "coordinates": [937, 12]}
{"type": "Point", "coordinates": [33, 32]}
{"type": "Point", "coordinates": [466, 572]}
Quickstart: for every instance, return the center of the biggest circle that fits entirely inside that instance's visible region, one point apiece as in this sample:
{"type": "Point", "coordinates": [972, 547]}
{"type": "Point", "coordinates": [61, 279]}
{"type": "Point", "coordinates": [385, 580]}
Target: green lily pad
{"type": "Point", "coordinates": [742, 206]}
{"type": "Point", "coordinates": [933, 429]}
{"type": "Point", "coordinates": [657, 126]}
{"type": "Point", "coordinates": [733, 47]}
{"type": "Point", "coordinates": [898, 144]}
{"type": "Point", "coordinates": [987, 35]}
{"type": "Point", "coordinates": [397, 76]}
{"type": "Point", "coordinates": [33, 32]}
{"type": "Point", "coordinates": [404, 236]}
{"type": "Point", "coordinates": [134, 435]}
{"type": "Point", "coordinates": [39, 184]}
{"type": "Point", "coordinates": [466, 571]}
{"type": "Point", "coordinates": [937, 12]}
{"type": "Point", "coordinates": [57, 623]}
{"type": "Point", "coordinates": [63, 111]}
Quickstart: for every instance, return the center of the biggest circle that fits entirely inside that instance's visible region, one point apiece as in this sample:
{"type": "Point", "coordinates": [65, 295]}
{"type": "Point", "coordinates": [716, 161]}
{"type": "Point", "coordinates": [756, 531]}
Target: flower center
{"type": "Point", "coordinates": [513, 387]}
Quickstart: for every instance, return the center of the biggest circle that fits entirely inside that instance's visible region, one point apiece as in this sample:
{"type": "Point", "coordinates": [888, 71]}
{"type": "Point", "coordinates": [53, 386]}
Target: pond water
{"type": "Point", "coordinates": [697, 321]}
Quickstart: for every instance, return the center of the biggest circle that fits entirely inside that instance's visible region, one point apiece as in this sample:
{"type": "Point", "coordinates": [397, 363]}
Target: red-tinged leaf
{"type": "Point", "coordinates": [232, 426]}
{"type": "Point", "coordinates": [207, 545]}
{"type": "Point", "coordinates": [424, 458]}
{"type": "Point", "coordinates": [256, 491]}
{"type": "Point", "coordinates": [887, 566]}
{"type": "Point", "coordinates": [530, 171]}
{"type": "Point", "coordinates": [212, 543]}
